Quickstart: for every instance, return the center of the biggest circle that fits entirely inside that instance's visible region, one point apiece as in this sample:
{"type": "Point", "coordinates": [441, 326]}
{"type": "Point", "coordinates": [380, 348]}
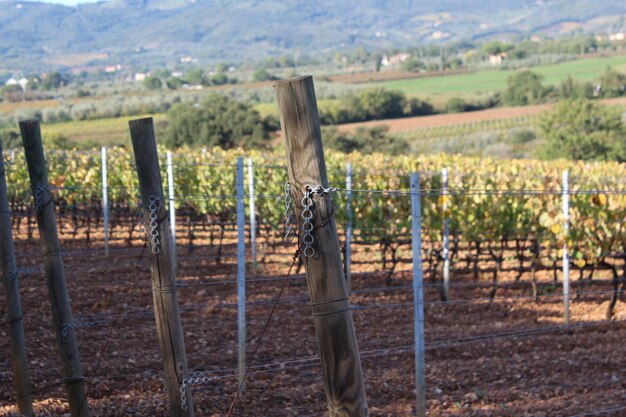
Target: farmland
{"type": "Point", "coordinates": [486, 346]}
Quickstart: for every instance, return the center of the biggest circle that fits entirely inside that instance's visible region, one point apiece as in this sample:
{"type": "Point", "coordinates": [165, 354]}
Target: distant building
{"type": "Point", "coordinates": [440, 35]}
{"type": "Point", "coordinates": [394, 59]}
{"type": "Point", "coordinates": [18, 79]}
{"type": "Point", "coordinates": [497, 59]}
{"type": "Point", "coordinates": [616, 37]}
{"type": "Point", "coordinates": [140, 76]}
{"type": "Point", "coordinates": [186, 59]}
{"type": "Point", "coordinates": [113, 68]}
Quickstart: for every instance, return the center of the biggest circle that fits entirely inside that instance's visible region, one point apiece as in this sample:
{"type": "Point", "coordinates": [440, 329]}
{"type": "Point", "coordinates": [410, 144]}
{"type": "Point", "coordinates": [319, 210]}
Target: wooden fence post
{"type": "Point", "coordinates": [10, 279]}
{"type": "Point", "coordinates": [341, 365]}
{"type": "Point", "coordinates": [166, 312]}
{"type": "Point", "coordinates": [53, 264]}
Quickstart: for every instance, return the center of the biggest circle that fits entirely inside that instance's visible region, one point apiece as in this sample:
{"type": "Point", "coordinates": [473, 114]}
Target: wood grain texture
{"type": "Point", "coordinates": [10, 279]}
{"type": "Point", "coordinates": [162, 268]}
{"type": "Point", "coordinates": [341, 365]}
{"type": "Point", "coordinates": [55, 272]}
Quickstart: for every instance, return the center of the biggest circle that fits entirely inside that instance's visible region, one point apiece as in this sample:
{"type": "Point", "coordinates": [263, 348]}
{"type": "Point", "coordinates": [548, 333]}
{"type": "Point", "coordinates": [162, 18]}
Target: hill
{"type": "Point", "coordinates": [37, 35]}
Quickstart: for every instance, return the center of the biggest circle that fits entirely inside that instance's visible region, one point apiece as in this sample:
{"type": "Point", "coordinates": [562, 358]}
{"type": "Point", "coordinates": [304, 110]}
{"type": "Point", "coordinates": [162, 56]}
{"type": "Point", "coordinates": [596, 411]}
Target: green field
{"type": "Point", "coordinates": [101, 131]}
{"type": "Point", "coordinates": [477, 84]}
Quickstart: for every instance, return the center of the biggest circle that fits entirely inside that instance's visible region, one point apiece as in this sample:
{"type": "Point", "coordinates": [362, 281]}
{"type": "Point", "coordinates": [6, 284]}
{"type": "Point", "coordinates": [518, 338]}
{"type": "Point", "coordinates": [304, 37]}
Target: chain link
{"type": "Point", "coordinates": [39, 191]}
{"type": "Point", "coordinates": [289, 232]}
{"type": "Point", "coordinates": [80, 322]}
{"type": "Point", "coordinates": [307, 215]}
{"type": "Point", "coordinates": [195, 378]}
{"type": "Point", "coordinates": [307, 225]}
{"type": "Point", "coordinates": [155, 233]}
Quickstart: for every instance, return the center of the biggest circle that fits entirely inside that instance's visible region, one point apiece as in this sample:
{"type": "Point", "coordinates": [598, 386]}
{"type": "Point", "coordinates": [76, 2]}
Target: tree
{"type": "Point", "coordinates": [524, 88]}
{"type": "Point", "coordinates": [263, 75]}
{"type": "Point", "coordinates": [494, 48]}
{"type": "Point", "coordinates": [412, 65]}
{"type": "Point", "coordinates": [613, 83]}
{"type": "Point", "coordinates": [152, 83]}
{"type": "Point", "coordinates": [378, 103]}
{"type": "Point", "coordinates": [53, 80]}
{"type": "Point", "coordinates": [570, 89]}
{"type": "Point", "coordinates": [364, 140]}
{"type": "Point", "coordinates": [217, 121]}
{"type": "Point", "coordinates": [195, 76]}
{"type": "Point", "coordinates": [584, 130]}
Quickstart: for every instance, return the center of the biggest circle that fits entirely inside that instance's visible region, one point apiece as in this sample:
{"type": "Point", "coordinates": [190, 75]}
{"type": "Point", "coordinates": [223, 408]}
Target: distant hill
{"type": "Point", "coordinates": [37, 35]}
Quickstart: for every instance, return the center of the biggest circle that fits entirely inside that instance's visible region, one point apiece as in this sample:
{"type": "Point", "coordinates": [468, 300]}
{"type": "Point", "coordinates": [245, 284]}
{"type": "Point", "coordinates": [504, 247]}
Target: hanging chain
{"type": "Point", "coordinates": [195, 378]}
{"type": "Point", "coordinates": [289, 232]}
{"type": "Point", "coordinates": [39, 197]}
{"type": "Point", "coordinates": [155, 234]}
{"type": "Point", "coordinates": [307, 216]}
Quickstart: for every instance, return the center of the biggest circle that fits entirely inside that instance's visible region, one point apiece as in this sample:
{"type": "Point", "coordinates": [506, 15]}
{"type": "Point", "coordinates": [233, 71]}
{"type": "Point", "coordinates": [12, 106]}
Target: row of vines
{"type": "Point", "coordinates": [502, 210]}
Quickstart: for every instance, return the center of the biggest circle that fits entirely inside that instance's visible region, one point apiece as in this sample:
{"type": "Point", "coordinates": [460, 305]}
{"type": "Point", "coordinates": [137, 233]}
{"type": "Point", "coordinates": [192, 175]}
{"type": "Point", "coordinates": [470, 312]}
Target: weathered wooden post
{"type": "Point", "coordinates": [55, 272]}
{"type": "Point", "coordinates": [341, 365]}
{"type": "Point", "coordinates": [13, 304]}
{"type": "Point", "coordinates": [166, 312]}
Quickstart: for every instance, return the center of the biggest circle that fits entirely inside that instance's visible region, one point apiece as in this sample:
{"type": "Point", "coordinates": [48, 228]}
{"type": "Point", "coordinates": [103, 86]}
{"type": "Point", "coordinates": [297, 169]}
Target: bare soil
{"type": "Point", "coordinates": [481, 358]}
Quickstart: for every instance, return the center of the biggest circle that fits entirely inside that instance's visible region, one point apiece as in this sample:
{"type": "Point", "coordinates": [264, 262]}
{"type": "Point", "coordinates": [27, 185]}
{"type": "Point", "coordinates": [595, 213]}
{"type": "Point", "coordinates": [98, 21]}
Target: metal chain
{"type": "Point", "coordinates": [307, 225]}
{"type": "Point", "coordinates": [155, 233]}
{"type": "Point", "coordinates": [195, 378]}
{"type": "Point", "coordinates": [307, 215]}
{"type": "Point", "coordinates": [80, 322]}
{"type": "Point", "coordinates": [289, 232]}
{"type": "Point", "coordinates": [39, 191]}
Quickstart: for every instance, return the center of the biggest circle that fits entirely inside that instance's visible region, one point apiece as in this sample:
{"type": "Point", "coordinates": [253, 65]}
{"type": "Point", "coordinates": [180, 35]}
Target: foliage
{"type": "Point", "coordinates": [365, 141]}
{"type": "Point", "coordinates": [456, 105]}
{"type": "Point", "coordinates": [374, 104]}
{"type": "Point", "coordinates": [583, 130]}
{"type": "Point", "coordinates": [152, 82]}
{"type": "Point", "coordinates": [524, 88]}
{"type": "Point", "coordinates": [53, 80]}
{"type": "Point", "coordinates": [216, 121]}
{"type": "Point", "coordinates": [612, 83]}
{"type": "Point", "coordinates": [263, 74]}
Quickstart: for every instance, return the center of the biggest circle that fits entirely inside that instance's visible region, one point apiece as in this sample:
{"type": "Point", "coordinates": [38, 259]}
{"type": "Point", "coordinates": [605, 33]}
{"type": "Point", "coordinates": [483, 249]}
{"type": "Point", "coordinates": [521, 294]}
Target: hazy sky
{"type": "Point", "coordinates": [68, 2]}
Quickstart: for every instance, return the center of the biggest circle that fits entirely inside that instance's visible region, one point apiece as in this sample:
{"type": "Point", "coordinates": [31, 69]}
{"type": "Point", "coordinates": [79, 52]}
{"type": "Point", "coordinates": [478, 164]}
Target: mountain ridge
{"type": "Point", "coordinates": [35, 34]}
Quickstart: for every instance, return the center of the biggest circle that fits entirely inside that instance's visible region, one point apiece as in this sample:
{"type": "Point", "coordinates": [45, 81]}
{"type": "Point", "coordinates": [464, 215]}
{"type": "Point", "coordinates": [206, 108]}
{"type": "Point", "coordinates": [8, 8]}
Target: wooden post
{"type": "Point", "coordinates": [341, 365]}
{"type": "Point", "coordinates": [418, 295]}
{"type": "Point", "coordinates": [241, 270]}
{"type": "Point", "coordinates": [166, 312]}
{"type": "Point", "coordinates": [13, 305]}
{"type": "Point", "coordinates": [105, 200]}
{"type": "Point", "coordinates": [565, 202]}
{"type": "Point", "coordinates": [53, 264]}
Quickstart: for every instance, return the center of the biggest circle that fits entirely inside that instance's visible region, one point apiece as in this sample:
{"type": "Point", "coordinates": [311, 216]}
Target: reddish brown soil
{"type": "Point", "coordinates": [553, 373]}
{"type": "Point", "coordinates": [421, 122]}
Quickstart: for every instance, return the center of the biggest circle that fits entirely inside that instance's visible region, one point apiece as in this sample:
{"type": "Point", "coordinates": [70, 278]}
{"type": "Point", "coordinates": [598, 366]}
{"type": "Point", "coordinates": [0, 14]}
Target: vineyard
{"type": "Point", "coordinates": [500, 228]}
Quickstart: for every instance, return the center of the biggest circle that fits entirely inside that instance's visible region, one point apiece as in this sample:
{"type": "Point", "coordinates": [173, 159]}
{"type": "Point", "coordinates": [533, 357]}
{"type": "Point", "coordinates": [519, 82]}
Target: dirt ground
{"type": "Point", "coordinates": [506, 357]}
{"type": "Point", "coordinates": [437, 120]}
